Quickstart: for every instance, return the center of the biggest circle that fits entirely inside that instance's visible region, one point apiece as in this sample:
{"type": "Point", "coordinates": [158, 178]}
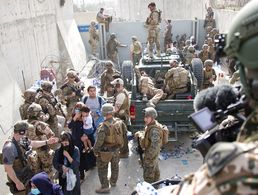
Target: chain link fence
{"type": "Point", "coordinates": [228, 4]}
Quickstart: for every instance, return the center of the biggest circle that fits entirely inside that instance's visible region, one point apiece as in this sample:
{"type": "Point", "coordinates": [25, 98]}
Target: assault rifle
{"type": "Point", "coordinates": [140, 150]}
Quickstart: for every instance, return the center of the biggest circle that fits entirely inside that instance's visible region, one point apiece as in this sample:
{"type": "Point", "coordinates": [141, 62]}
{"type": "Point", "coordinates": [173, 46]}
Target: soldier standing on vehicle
{"type": "Point", "coordinates": [152, 22]}
{"type": "Point", "coordinates": [106, 78]}
{"type": "Point", "coordinates": [15, 158]}
{"type": "Point", "coordinates": [122, 111]}
{"type": "Point", "coordinates": [168, 35]}
{"type": "Point", "coordinates": [151, 145]}
{"type": "Point", "coordinates": [112, 49]}
{"type": "Point", "coordinates": [41, 131]}
{"type": "Point", "coordinates": [102, 18]}
{"type": "Point", "coordinates": [227, 168]}
{"type": "Point", "coordinates": [136, 50]}
{"type": "Point", "coordinates": [72, 92]}
{"type": "Point", "coordinates": [94, 38]}
{"type": "Point", "coordinates": [176, 79]}
{"type": "Point", "coordinates": [107, 148]}
{"type": "Point", "coordinates": [209, 74]}
{"type": "Point", "coordinates": [49, 105]}
{"type": "Point", "coordinates": [147, 89]}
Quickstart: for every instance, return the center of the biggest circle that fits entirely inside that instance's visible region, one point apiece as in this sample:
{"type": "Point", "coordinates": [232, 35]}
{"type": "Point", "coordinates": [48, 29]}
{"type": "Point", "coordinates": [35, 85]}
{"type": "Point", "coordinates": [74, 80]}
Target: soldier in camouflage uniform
{"type": "Point", "coordinates": [94, 38]}
{"type": "Point", "coordinates": [40, 131]}
{"type": "Point", "coordinates": [151, 145]}
{"type": "Point", "coordinates": [29, 97]}
{"type": "Point", "coordinates": [176, 79]}
{"type": "Point", "coordinates": [72, 93]}
{"type": "Point", "coordinates": [106, 148]}
{"type": "Point", "coordinates": [152, 22]}
{"type": "Point", "coordinates": [211, 48]}
{"type": "Point", "coordinates": [189, 55]}
{"type": "Point", "coordinates": [112, 49]}
{"type": "Point", "coordinates": [204, 54]}
{"type": "Point", "coordinates": [49, 105]}
{"type": "Point", "coordinates": [231, 168]}
{"type": "Point", "coordinates": [209, 74]}
{"type": "Point", "coordinates": [106, 78]}
{"type": "Point", "coordinates": [168, 35]}
{"type": "Point", "coordinates": [136, 50]}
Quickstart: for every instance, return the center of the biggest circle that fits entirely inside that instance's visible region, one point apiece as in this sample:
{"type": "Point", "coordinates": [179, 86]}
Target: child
{"type": "Point", "coordinates": [87, 128]}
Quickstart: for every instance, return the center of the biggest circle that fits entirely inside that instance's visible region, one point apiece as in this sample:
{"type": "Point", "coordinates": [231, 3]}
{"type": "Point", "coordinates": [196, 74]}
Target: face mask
{"type": "Point", "coordinates": [35, 191]}
{"type": "Point", "coordinates": [66, 147]}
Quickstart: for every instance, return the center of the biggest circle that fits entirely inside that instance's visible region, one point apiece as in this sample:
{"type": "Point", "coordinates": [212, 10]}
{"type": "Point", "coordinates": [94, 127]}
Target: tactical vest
{"type": "Point", "coordinates": [114, 133]}
{"type": "Point", "coordinates": [126, 104]}
{"type": "Point", "coordinates": [182, 79]}
{"type": "Point", "coordinates": [151, 17]}
{"type": "Point", "coordinates": [147, 141]}
{"type": "Point", "coordinates": [136, 47]}
{"type": "Point", "coordinates": [207, 76]}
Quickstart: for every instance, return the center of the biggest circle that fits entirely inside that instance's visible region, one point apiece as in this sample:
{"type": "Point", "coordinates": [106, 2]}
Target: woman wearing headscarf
{"type": "Point", "coordinates": [67, 161]}
{"type": "Point", "coordinates": [41, 184]}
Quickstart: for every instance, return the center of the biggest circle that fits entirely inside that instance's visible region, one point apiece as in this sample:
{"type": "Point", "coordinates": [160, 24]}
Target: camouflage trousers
{"type": "Point", "coordinates": [93, 44]}
{"type": "Point", "coordinates": [153, 39]}
{"type": "Point", "coordinates": [103, 170]}
{"type": "Point", "coordinates": [34, 162]}
{"type": "Point", "coordinates": [151, 171]}
{"type": "Point", "coordinates": [114, 58]}
{"type": "Point", "coordinates": [136, 58]}
{"type": "Point", "coordinates": [171, 90]}
{"type": "Point", "coordinates": [45, 160]}
{"type": "Point", "coordinates": [153, 92]}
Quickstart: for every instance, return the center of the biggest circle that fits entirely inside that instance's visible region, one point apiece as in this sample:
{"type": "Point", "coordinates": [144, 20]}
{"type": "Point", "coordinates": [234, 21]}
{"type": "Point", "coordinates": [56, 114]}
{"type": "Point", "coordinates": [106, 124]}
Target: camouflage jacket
{"type": "Point", "coordinates": [230, 168]}
{"type": "Point", "coordinates": [47, 102]}
{"type": "Point", "coordinates": [105, 80]}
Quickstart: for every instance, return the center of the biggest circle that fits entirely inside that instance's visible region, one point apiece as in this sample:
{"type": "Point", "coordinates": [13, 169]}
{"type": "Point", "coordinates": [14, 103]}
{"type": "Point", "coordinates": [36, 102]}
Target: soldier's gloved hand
{"type": "Point", "coordinates": [52, 140]}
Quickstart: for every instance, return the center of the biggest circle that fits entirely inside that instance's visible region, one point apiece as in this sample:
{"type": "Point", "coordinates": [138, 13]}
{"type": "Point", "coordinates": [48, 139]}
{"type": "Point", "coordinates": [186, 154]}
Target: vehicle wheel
{"type": "Point", "coordinates": [197, 66]}
{"type": "Point", "coordinates": [127, 73]}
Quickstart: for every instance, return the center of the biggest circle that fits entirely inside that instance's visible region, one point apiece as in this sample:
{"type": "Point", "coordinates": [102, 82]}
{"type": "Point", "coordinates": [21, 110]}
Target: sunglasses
{"type": "Point", "coordinates": [22, 132]}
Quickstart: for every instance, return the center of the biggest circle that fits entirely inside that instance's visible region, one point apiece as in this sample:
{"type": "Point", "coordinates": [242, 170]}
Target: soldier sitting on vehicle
{"type": "Point", "coordinates": [176, 79]}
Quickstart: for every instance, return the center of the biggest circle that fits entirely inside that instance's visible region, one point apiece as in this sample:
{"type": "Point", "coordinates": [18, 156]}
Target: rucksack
{"type": "Point", "coordinates": [164, 133]}
{"type": "Point", "coordinates": [116, 129]}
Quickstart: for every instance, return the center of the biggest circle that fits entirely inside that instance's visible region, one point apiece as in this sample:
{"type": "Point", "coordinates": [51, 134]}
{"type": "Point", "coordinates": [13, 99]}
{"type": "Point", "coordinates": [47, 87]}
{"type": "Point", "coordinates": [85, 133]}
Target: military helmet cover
{"type": "Point", "coordinates": [107, 109]}
{"type": "Point", "coordinates": [208, 63]}
{"type": "Point", "coordinates": [46, 85]}
{"type": "Point", "coordinates": [150, 111]}
{"type": "Point", "coordinates": [21, 126]}
{"type": "Point", "coordinates": [34, 109]}
{"type": "Point", "coordinates": [71, 74]}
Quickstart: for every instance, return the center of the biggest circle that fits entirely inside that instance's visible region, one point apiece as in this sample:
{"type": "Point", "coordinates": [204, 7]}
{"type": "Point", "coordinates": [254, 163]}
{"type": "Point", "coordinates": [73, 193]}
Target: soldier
{"type": "Point", "coordinates": [176, 79]}
{"type": "Point", "coordinates": [151, 145]}
{"type": "Point", "coordinates": [49, 105]}
{"type": "Point", "coordinates": [102, 18]}
{"type": "Point", "coordinates": [107, 147]}
{"type": "Point", "coordinates": [153, 21]}
{"type": "Point", "coordinates": [231, 168]}
{"type": "Point", "coordinates": [187, 43]}
{"type": "Point", "coordinates": [94, 38]}
{"type": "Point", "coordinates": [211, 48]}
{"type": "Point", "coordinates": [147, 89]}
{"type": "Point", "coordinates": [136, 50]}
{"type": "Point", "coordinates": [40, 131]}
{"type": "Point", "coordinates": [72, 93]}
{"type": "Point", "coordinates": [168, 35]}
{"type": "Point", "coordinates": [122, 111]}
{"type": "Point", "coordinates": [106, 78]}
{"type": "Point", "coordinates": [209, 74]}
{"type": "Point", "coordinates": [29, 97]}
{"type": "Point", "coordinates": [189, 55]}
{"type": "Point", "coordinates": [209, 21]}
{"type": "Point", "coordinates": [204, 54]}
{"type": "Point", "coordinates": [112, 49]}
{"type": "Point", "coordinates": [15, 161]}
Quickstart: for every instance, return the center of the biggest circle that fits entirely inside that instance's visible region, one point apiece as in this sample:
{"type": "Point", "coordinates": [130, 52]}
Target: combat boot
{"type": "Point", "coordinates": [102, 191]}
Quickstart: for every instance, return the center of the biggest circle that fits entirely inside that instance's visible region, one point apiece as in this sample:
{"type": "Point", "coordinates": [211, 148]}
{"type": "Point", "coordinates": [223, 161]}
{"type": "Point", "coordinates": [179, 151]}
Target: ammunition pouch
{"type": "Point", "coordinates": [106, 156]}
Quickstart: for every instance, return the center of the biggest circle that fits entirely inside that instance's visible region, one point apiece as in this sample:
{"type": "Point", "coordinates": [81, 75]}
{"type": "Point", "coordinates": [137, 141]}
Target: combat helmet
{"type": "Point", "coordinates": [208, 63]}
{"type": "Point", "coordinates": [71, 74]}
{"type": "Point", "coordinates": [21, 126]}
{"type": "Point", "coordinates": [29, 95]}
{"type": "Point", "coordinates": [241, 43]}
{"type": "Point", "coordinates": [46, 86]}
{"type": "Point", "coordinates": [150, 111]}
{"type": "Point", "coordinates": [113, 36]}
{"type": "Point", "coordinates": [107, 109]}
{"type": "Point", "coordinates": [34, 109]}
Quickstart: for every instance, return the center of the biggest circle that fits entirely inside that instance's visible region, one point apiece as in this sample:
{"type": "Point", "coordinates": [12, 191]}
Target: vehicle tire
{"type": "Point", "coordinates": [127, 72]}
{"type": "Point", "coordinates": [197, 66]}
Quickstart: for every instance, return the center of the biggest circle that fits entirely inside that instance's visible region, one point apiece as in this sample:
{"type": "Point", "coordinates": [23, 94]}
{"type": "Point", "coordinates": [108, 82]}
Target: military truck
{"type": "Point", "coordinates": [171, 112]}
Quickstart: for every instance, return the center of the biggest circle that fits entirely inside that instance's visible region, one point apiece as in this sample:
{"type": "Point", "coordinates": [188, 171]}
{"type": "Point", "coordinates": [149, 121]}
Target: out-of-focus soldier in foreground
{"type": "Point", "coordinates": [232, 168]}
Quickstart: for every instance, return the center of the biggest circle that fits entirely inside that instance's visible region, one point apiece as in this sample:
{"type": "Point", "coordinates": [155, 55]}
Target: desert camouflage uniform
{"type": "Point", "coordinates": [168, 36]}
{"type": "Point", "coordinates": [209, 21]}
{"type": "Point", "coordinates": [105, 80]}
{"type": "Point", "coordinates": [176, 80]}
{"type": "Point", "coordinates": [107, 144]}
{"type": "Point", "coordinates": [41, 131]}
{"type": "Point", "coordinates": [146, 87]}
{"type": "Point", "coordinates": [94, 38]}
{"type": "Point", "coordinates": [153, 32]}
{"type": "Point", "coordinates": [29, 98]}
{"type": "Point", "coordinates": [136, 51]}
{"type": "Point", "coordinates": [208, 78]}
{"type": "Point", "coordinates": [151, 145]}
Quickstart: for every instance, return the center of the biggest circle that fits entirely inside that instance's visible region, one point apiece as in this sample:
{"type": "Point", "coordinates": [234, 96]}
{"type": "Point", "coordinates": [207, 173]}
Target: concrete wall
{"type": "Point", "coordinates": [224, 18]}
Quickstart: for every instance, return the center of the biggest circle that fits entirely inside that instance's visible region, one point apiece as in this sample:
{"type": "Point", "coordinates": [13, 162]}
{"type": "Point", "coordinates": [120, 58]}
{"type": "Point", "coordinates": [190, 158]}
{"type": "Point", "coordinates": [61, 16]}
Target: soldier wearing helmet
{"type": "Point", "coordinates": [72, 92]}
{"type": "Point", "coordinates": [109, 141]}
{"type": "Point", "coordinates": [48, 103]}
{"type": "Point", "coordinates": [112, 49]}
{"type": "Point", "coordinates": [102, 18]}
{"type": "Point", "coordinates": [94, 38]}
{"type": "Point", "coordinates": [227, 168]}
{"type": "Point", "coordinates": [204, 54]}
{"type": "Point", "coordinates": [16, 158]}
{"type": "Point", "coordinates": [189, 55]}
{"type": "Point", "coordinates": [136, 50]}
{"type": "Point", "coordinates": [40, 131]}
{"type": "Point", "coordinates": [151, 144]}
{"type": "Point", "coordinates": [29, 97]}
{"type": "Point", "coordinates": [209, 74]}
{"type": "Point", "coordinates": [106, 78]}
